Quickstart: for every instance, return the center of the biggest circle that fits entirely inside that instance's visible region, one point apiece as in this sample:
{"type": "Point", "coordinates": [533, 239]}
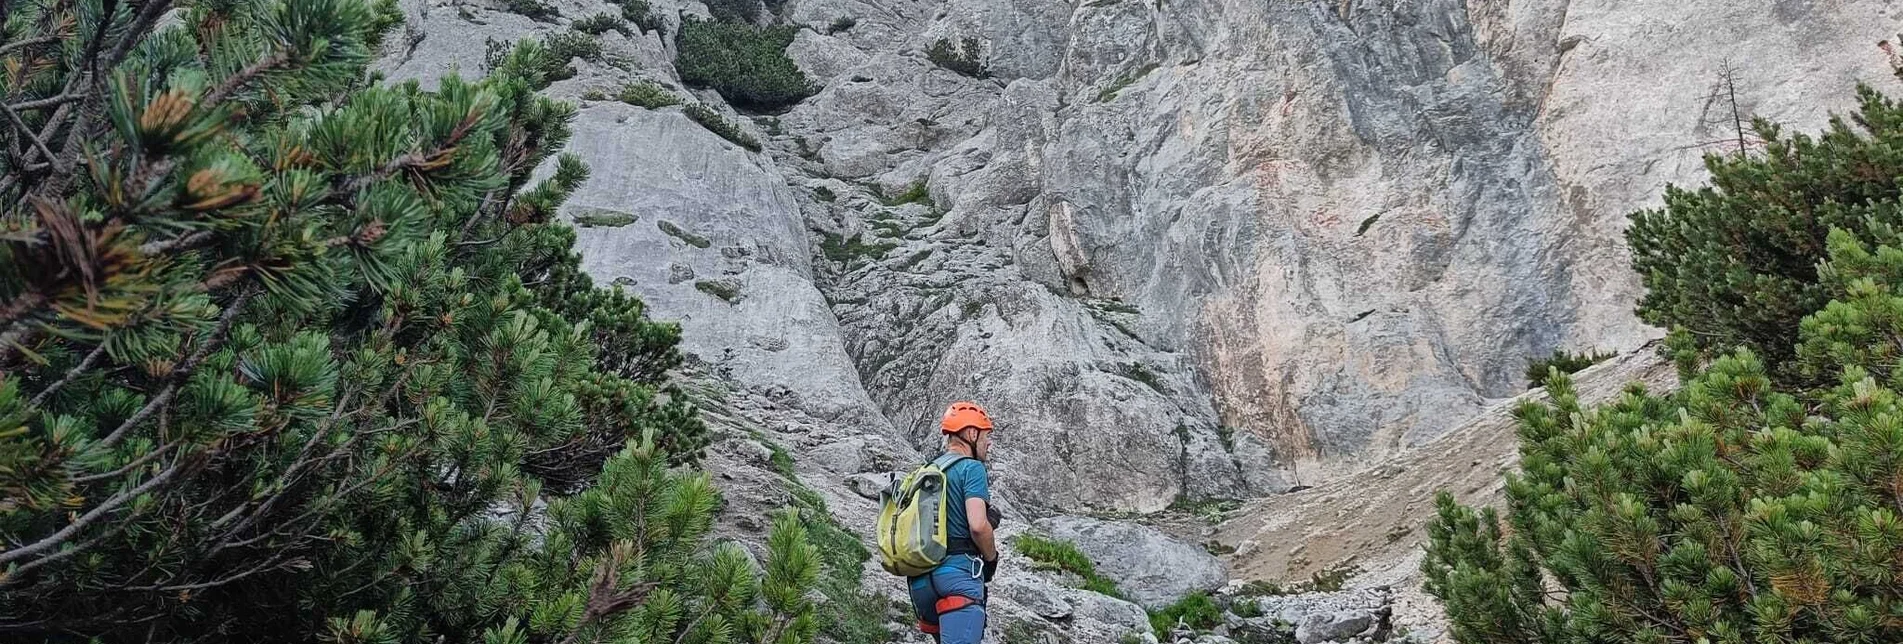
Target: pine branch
{"type": "Point", "coordinates": [245, 76]}
{"type": "Point", "coordinates": [87, 363]}
{"type": "Point", "coordinates": [414, 159]}
{"type": "Point", "coordinates": [22, 44]}
{"type": "Point", "coordinates": [128, 467]}
{"type": "Point", "coordinates": [192, 240]}
{"type": "Point", "coordinates": [53, 101]}
{"type": "Point", "coordinates": [93, 107]}
{"type": "Point", "coordinates": [268, 564]}
{"type": "Point", "coordinates": [182, 371]}
{"type": "Point", "coordinates": [25, 131]}
{"type": "Point", "coordinates": [90, 517]}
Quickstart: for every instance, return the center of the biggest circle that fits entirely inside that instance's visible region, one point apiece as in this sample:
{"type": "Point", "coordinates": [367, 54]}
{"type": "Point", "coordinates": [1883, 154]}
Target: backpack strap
{"type": "Point", "coordinates": [945, 461]}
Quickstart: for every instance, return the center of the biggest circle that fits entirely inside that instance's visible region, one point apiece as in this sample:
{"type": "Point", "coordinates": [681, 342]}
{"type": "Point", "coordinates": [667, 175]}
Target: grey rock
{"type": "Point", "coordinates": [868, 485]}
{"type": "Point", "coordinates": [1152, 568]}
{"type": "Point", "coordinates": [1034, 594]}
{"type": "Point", "coordinates": [1332, 627]}
{"type": "Point", "coordinates": [1118, 615]}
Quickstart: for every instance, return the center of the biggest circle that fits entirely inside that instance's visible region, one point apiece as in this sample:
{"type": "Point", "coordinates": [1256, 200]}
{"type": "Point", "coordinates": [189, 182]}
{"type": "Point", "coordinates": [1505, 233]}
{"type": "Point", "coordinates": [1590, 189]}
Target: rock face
{"type": "Point", "coordinates": [1182, 249]}
{"type": "Point", "coordinates": [1195, 249]}
{"type": "Point", "coordinates": [1149, 566]}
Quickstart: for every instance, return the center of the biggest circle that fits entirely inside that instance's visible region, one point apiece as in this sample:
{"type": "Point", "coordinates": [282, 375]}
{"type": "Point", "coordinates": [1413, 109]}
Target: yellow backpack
{"type": "Point", "coordinates": [912, 532]}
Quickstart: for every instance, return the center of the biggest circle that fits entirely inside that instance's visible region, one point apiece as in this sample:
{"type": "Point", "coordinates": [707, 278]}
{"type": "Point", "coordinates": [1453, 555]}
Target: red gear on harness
{"type": "Point", "coordinates": [945, 605]}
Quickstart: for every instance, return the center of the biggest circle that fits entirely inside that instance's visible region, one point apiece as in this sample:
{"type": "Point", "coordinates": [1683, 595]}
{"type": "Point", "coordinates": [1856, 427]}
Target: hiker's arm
{"type": "Point", "coordinates": [980, 524]}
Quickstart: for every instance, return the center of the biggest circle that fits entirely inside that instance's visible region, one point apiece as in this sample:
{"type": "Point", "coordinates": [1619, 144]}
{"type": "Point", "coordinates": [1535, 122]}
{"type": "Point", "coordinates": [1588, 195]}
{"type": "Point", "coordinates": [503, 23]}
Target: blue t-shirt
{"type": "Point", "coordinates": [965, 480]}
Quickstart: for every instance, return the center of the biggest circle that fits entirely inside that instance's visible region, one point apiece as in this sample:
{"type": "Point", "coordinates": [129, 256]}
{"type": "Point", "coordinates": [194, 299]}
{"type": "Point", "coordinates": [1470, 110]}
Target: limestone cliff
{"type": "Point", "coordinates": [1182, 249]}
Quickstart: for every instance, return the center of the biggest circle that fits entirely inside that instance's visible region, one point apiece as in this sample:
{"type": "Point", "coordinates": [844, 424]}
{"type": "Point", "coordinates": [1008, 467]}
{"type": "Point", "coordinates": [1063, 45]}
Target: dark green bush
{"type": "Point", "coordinates": [293, 354]}
{"type": "Point", "coordinates": [647, 94]}
{"type": "Point", "coordinates": [1735, 262]}
{"type": "Point", "coordinates": [1760, 501]}
{"type": "Point", "coordinates": [717, 124]}
{"type": "Point", "coordinates": [739, 12]}
{"type": "Point", "coordinates": [641, 14]}
{"type": "Point", "coordinates": [563, 48]}
{"type": "Point", "coordinates": [532, 9]}
{"type": "Point", "coordinates": [1565, 362]}
{"type": "Point", "coordinates": [747, 65]}
{"type": "Point", "coordinates": [964, 57]}
{"type": "Point", "coordinates": [599, 24]}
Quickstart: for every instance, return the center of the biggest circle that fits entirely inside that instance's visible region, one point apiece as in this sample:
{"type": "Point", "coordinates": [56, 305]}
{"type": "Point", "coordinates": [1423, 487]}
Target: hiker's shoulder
{"type": "Point", "coordinates": [968, 467]}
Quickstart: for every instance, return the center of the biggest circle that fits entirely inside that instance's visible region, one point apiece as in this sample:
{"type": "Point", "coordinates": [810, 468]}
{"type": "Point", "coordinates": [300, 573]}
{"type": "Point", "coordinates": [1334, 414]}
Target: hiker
{"type": "Point", "coordinates": [948, 497]}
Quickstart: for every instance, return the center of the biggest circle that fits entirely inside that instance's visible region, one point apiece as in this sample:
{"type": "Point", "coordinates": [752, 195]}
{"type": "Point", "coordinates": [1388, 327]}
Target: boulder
{"type": "Point", "coordinates": [1149, 566]}
{"type": "Point", "coordinates": [1333, 627]}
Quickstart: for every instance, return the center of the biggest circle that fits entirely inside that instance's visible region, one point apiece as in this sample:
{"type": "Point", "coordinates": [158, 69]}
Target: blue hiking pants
{"type": "Point", "coordinates": [958, 576]}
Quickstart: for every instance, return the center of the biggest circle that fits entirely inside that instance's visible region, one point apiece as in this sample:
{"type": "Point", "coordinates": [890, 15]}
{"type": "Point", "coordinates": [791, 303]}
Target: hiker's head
{"type": "Point", "coordinates": [967, 429]}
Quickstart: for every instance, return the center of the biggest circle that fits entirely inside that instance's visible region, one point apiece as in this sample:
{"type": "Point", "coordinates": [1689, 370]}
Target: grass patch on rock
{"type": "Point", "coordinates": [603, 218]}
{"type": "Point", "coordinates": [1058, 554]}
{"type": "Point", "coordinates": [846, 250]}
{"type": "Point", "coordinates": [1116, 86]}
{"type": "Point", "coordinates": [722, 289]}
{"type": "Point", "coordinates": [1196, 610]}
{"type": "Point", "coordinates": [647, 94]}
{"type": "Point", "coordinates": [677, 232]}
{"type": "Point", "coordinates": [718, 124]}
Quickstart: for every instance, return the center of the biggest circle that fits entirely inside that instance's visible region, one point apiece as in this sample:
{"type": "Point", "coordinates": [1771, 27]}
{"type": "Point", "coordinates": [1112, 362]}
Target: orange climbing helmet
{"type": "Point", "coordinates": [964, 414]}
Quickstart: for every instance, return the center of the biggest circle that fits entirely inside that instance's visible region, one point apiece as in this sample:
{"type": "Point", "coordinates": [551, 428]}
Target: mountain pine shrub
{"type": "Point", "coordinates": [287, 354]}
{"type": "Point", "coordinates": [747, 65]}
{"type": "Point", "coordinates": [962, 56]}
{"type": "Point", "coordinates": [1564, 362]}
{"type": "Point", "coordinates": [1734, 263]}
{"type": "Point", "coordinates": [599, 24]}
{"type": "Point", "coordinates": [1743, 507]}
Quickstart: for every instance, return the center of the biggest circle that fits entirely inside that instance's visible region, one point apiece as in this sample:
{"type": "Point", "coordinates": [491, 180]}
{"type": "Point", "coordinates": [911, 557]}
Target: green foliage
{"type": "Point", "coordinates": [331, 369]}
{"type": "Point", "coordinates": [603, 218]}
{"type": "Point", "coordinates": [842, 24]}
{"type": "Point", "coordinates": [564, 48]}
{"type": "Point", "coordinates": [824, 193]}
{"type": "Point", "coordinates": [1735, 262]}
{"type": "Point", "coordinates": [1064, 555]}
{"type": "Point", "coordinates": [677, 232]}
{"type": "Point", "coordinates": [853, 616]}
{"type": "Point", "coordinates": [641, 14]}
{"type": "Point", "coordinates": [1208, 509]}
{"type": "Point", "coordinates": [917, 192]}
{"type": "Point", "coordinates": [647, 94]}
{"type": "Point", "coordinates": [1245, 608]}
{"type": "Point", "coordinates": [740, 12]}
{"type": "Point", "coordinates": [724, 289]}
{"type": "Point", "coordinates": [1142, 373]}
{"type": "Point", "coordinates": [1197, 611]}
{"type": "Point", "coordinates": [781, 461]}
{"type": "Point", "coordinates": [846, 250]}
{"type": "Point", "coordinates": [1562, 361]}
{"type": "Point", "coordinates": [1728, 510]}
{"type": "Point", "coordinates": [599, 24]}
{"type": "Point", "coordinates": [1326, 580]}
{"type": "Point", "coordinates": [536, 10]}
{"type": "Point", "coordinates": [717, 124]}
{"type": "Point", "coordinates": [1110, 91]}
{"type": "Point", "coordinates": [964, 57]}
{"type": "Point", "coordinates": [747, 65]}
